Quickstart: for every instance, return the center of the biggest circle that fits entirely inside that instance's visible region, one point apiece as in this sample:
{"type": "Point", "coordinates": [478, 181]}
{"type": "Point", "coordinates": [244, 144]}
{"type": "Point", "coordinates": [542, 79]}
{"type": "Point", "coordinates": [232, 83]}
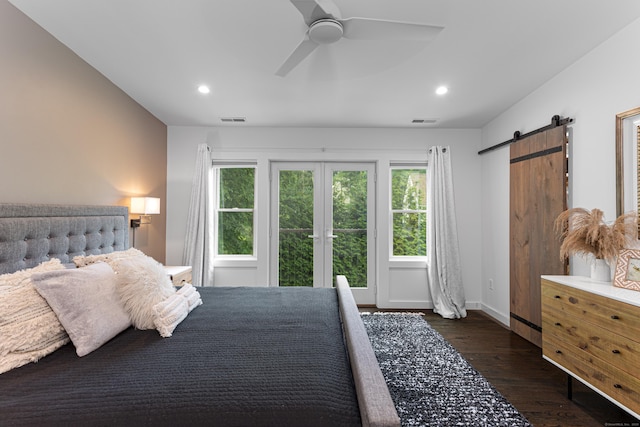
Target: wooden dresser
{"type": "Point", "coordinates": [591, 330]}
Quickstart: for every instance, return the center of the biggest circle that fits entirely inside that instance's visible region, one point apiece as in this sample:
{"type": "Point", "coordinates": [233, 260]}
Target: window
{"type": "Point", "coordinates": [408, 211]}
{"type": "Point", "coordinates": [235, 210]}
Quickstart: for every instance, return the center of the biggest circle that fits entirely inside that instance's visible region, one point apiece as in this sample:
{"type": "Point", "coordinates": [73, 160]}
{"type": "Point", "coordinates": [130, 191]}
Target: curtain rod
{"type": "Point", "coordinates": [555, 122]}
{"type": "Point", "coordinates": [418, 150]}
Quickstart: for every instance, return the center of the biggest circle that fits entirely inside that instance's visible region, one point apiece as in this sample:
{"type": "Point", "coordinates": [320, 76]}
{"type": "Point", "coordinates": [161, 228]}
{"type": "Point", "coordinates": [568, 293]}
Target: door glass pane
{"type": "Point", "coordinates": [350, 226]}
{"type": "Point", "coordinates": [296, 225]}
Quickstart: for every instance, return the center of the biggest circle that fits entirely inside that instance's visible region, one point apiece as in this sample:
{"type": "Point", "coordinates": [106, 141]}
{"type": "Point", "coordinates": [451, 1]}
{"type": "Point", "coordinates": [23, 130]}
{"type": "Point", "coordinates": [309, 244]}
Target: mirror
{"type": "Point", "coordinates": [627, 161]}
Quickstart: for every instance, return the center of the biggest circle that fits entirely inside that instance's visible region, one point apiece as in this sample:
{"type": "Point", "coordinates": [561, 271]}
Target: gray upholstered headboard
{"type": "Point", "coordinates": [33, 233]}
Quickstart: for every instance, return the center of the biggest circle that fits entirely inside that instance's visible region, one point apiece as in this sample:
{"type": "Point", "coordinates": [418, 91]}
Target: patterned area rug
{"type": "Point", "coordinates": [430, 382]}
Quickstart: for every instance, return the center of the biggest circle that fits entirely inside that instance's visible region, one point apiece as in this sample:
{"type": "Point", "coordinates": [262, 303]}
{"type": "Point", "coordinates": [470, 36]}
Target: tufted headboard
{"type": "Point", "coordinates": [33, 233]}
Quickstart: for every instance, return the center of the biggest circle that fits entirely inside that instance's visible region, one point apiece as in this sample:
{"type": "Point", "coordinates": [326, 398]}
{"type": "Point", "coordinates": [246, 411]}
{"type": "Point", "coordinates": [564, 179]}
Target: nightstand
{"type": "Point", "coordinates": [179, 274]}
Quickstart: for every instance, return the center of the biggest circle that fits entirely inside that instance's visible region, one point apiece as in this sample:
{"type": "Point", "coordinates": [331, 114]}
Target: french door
{"type": "Point", "coordinates": [322, 225]}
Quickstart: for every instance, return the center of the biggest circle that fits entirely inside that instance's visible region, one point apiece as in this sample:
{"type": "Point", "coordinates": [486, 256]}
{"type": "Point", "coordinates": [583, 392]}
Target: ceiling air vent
{"type": "Point", "coordinates": [233, 119]}
{"type": "Point", "coordinates": [423, 121]}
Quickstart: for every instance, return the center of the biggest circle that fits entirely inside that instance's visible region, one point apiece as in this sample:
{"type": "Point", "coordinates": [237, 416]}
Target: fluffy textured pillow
{"type": "Point", "coordinates": [86, 303]}
{"type": "Point", "coordinates": [173, 310]}
{"type": "Point", "coordinates": [142, 283]}
{"type": "Point", "coordinates": [83, 261]}
{"type": "Point", "coordinates": [29, 329]}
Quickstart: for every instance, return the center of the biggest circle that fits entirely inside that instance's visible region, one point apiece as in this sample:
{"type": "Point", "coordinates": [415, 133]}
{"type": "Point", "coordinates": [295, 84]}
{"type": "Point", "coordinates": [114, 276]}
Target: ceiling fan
{"type": "Point", "coordinates": [326, 26]}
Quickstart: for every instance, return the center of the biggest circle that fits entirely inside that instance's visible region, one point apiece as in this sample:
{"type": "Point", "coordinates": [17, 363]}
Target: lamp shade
{"type": "Point", "coordinates": [145, 205]}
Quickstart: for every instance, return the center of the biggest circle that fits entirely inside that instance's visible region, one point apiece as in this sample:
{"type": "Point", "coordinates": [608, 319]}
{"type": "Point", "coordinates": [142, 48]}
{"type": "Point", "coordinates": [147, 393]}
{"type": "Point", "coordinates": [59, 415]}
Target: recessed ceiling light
{"type": "Point", "coordinates": [441, 90]}
{"type": "Point", "coordinates": [204, 89]}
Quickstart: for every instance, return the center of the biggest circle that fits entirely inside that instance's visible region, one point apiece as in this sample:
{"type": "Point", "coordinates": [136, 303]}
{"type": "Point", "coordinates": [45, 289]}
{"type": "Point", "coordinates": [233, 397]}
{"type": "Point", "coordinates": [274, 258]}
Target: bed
{"type": "Point", "coordinates": [246, 356]}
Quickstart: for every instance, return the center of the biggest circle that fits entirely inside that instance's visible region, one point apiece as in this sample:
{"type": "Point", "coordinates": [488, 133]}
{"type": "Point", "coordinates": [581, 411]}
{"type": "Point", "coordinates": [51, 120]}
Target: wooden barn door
{"type": "Point", "coordinates": [538, 193]}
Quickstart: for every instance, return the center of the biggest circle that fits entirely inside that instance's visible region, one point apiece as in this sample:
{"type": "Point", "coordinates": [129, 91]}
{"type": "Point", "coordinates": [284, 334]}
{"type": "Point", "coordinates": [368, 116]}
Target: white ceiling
{"type": "Point", "coordinates": [491, 54]}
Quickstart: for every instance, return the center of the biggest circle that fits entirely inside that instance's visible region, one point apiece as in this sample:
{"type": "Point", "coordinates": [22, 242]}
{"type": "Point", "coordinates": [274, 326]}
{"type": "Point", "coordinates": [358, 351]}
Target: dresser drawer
{"type": "Point", "coordinates": [610, 380]}
{"type": "Point", "coordinates": [609, 314]}
{"type": "Point", "coordinates": [621, 352]}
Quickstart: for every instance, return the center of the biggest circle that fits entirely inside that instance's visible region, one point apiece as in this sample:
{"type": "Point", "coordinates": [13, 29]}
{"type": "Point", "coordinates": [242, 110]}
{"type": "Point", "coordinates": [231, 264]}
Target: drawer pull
{"type": "Point", "coordinates": [615, 317]}
{"type": "Point", "coordinates": [557, 297]}
{"type": "Point", "coordinates": [615, 351]}
{"type": "Point", "coordinates": [558, 352]}
{"type": "Point", "coordinates": [617, 386]}
{"type": "Point", "coordinates": [558, 324]}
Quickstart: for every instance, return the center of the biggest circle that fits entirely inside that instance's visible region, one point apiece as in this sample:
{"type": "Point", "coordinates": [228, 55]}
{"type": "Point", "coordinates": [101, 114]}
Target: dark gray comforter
{"type": "Point", "coordinates": [246, 357]}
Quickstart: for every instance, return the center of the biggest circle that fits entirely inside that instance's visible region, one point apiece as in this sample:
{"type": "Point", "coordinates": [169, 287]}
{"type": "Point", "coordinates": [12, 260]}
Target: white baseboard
{"type": "Point", "coordinates": [428, 305]}
{"type": "Point", "coordinates": [407, 305]}
{"type": "Point", "coordinates": [496, 315]}
{"type": "Point", "coordinates": [422, 305]}
{"type": "Point", "coordinates": [473, 305]}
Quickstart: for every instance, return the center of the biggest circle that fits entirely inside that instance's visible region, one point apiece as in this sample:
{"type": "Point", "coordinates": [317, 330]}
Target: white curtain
{"type": "Point", "coordinates": [198, 242]}
{"type": "Point", "coordinates": [443, 254]}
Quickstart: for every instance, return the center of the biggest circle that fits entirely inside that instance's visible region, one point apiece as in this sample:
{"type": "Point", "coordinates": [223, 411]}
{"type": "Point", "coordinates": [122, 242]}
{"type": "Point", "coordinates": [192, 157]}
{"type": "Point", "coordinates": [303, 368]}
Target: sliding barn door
{"type": "Point", "coordinates": [538, 195]}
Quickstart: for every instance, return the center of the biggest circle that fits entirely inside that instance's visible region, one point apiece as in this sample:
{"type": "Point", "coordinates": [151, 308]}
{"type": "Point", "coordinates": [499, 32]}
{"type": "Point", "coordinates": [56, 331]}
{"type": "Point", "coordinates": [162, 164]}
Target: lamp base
{"type": "Point", "coordinates": [144, 219]}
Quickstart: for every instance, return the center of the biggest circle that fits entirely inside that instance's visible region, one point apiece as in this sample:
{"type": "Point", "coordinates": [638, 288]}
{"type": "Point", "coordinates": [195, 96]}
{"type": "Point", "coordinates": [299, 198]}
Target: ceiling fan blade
{"type": "Point", "coordinates": [312, 10]}
{"type": "Point", "coordinates": [303, 50]}
{"type": "Point", "coordinates": [330, 9]}
{"type": "Point", "coordinates": [377, 29]}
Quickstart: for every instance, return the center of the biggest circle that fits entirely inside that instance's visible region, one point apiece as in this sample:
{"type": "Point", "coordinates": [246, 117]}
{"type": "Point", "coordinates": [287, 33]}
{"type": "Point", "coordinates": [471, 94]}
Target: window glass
{"type": "Point", "coordinates": [235, 211]}
{"type": "Point", "coordinates": [409, 211]}
{"type": "Point", "coordinates": [237, 187]}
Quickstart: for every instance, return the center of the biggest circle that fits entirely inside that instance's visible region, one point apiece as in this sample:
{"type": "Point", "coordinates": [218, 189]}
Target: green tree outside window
{"type": "Point", "coordinates": [409, 211]}
{"type": "Point", "coordinates": [235, 212]}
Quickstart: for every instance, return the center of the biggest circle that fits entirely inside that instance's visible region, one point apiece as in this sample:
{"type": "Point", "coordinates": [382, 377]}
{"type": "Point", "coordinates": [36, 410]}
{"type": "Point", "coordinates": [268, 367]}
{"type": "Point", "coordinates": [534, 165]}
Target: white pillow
{"type": "Point", "coordinates": [86, 303]}
{"type": "Point", "coordinates": [173, 310]}
{"type": "Point", "coordinates": [142, 283]}
{"type": "Point", "coordinates": [83, 261]}
{"type": "Point", "coordinates": [29, 329]}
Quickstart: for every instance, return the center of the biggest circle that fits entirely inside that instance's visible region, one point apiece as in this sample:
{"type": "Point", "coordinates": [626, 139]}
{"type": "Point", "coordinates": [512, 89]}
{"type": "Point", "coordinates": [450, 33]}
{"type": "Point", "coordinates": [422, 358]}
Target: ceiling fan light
{"type": "Point", "coordinates": [325, 31]}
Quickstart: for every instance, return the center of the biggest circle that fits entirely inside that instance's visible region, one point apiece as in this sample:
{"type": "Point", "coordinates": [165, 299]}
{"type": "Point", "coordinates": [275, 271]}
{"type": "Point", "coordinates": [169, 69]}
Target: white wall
{"type": "Point", "coordinates": [604, 82]}
{"type": "Point", "coordinates": [591, 91]}
{"type": "Point", "coordinates": [381, 145]}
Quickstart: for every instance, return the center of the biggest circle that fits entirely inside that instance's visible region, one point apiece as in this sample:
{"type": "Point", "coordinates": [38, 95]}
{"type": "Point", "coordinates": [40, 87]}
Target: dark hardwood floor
{"type": "Point", "coordinates": [515, 367]}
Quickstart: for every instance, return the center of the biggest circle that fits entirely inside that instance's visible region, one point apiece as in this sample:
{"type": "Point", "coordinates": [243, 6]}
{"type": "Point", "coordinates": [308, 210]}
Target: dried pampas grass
{"type": "Point", "coordinates": [585, 232]}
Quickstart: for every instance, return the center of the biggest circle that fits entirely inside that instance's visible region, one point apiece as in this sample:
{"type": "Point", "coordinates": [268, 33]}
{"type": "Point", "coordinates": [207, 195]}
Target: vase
{"type": "Point", "coordinates": [600, 271]}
